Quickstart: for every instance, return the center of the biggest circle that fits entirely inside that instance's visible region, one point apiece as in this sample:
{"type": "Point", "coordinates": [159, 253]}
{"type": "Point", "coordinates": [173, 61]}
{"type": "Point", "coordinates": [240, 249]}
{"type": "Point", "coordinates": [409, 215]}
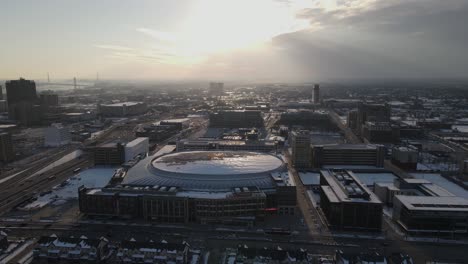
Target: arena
{"type": "Point", "coordinates": [197, 186]}
{"type": "Point", "coordinates": [207, 170]}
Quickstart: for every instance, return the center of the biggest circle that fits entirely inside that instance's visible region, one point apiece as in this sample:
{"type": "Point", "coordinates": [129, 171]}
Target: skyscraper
{"type": "Point", "coordinates": [316, 94]}
{"type": "Point", "coordinates": [301, 151]}
{"type": "Point", "coordinates": [21, 90]}
{"type": "Point", "coordinates": [22, 102]}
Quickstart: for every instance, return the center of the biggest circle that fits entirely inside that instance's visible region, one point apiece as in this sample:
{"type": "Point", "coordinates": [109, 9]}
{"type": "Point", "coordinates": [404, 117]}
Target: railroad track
{"type": "Point", "coordinates": [42, 183]}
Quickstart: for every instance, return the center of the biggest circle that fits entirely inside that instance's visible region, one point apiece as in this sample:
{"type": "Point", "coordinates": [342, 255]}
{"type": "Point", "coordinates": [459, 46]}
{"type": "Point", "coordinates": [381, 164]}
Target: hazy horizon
{"type": "Point", "coordinates": [261, 41]}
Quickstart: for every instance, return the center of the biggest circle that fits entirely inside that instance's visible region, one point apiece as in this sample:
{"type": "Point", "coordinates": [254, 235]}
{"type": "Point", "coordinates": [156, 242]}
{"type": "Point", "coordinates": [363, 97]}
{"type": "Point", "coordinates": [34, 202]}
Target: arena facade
{"type": "Point", "coordinates": [236, 187]}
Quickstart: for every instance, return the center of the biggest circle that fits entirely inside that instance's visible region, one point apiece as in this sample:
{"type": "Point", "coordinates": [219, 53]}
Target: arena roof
{"type": "Point", "coordinates": [206, 170]}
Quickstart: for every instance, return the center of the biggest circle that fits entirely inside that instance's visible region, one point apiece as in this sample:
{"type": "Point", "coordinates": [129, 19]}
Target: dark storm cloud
{"type": "Point", "coordinates": [386, 39]}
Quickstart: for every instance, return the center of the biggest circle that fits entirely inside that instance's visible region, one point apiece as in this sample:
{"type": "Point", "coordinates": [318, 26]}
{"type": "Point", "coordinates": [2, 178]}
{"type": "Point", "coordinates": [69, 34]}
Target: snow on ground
{"type": "Point", "coordinates": [10, 177]}
{"type": "Point", "coordinates": [310, 178]}
{"type": "Point", "coordinates": [96, 177]}
{"type": "Point", "coordinates": [442, 182]}
{"type": "Point", "coordinates": [436, 167]}
{"type": "Point", "coordinates": [75, 154]}
{"type": "Point", "coordinates": [461, 128]}
{"type": "Point", "coordinates": [370, 178]}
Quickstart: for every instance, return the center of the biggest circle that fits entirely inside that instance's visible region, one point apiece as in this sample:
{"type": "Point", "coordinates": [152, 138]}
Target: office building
{"type": "Point", "coordinates": [21, 90]}
{"type": "Point", "coordinates": [6, 147]}
{"type": "Point", "coordinates": [139, 146]}
{"type": "Point", "coordinates": [348, 154]}
{"type": "Point", "coordinates": [22, 102]}
{"type": "Point", "coordinates": [316, 93]}
{"type": "Point", "coordinates": [112, 153]}
{"type": "Point", "coordinates": [229, 187]}
{"type": "Point", "coordinates": [236, 119]}
{"type": "Point", "coordinates": [347, 203]}
{"type": "Point", "coordinates": [380, 132]}
{"type": "Point", "coordinates": [56, 135]}
{"type": "Point", "coordinates": [421, 207]}
{"type": "Point", "coordinates": [435, 215]}
{"type": "Point", "coordinates": [368, 113]}
{"type": "Point", "coordinates": [122, 109]}
{"type": "Point", "coordinates": [301, 150]}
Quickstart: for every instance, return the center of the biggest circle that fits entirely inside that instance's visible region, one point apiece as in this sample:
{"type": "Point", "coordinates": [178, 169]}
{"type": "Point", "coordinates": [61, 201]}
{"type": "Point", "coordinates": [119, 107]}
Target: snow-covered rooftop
{"type": "Point", "coordinates": [217, 163]}
{"type": "Point", "coordinates": [206, 170]}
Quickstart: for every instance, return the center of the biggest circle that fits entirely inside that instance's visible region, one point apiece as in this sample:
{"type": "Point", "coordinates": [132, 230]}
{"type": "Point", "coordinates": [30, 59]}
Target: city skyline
{"type": "Point", "coordinates": [233, 40]}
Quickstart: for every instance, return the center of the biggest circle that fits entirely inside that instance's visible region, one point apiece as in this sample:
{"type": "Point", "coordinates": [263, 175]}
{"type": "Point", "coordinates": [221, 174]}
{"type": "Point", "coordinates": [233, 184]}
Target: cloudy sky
{"type": "Point", "coordinates": [258, 40]}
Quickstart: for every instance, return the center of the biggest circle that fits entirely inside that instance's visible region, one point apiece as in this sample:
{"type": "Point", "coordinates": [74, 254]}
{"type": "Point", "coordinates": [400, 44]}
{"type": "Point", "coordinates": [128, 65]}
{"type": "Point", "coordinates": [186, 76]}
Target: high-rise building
{"type": "Point", "coordinates": [301, 150]}
{"type": "Point", "coordinates": [6, 147]}
{"type": "Point", "coordinates": [22, 102]}
{"type": "Point", "coordinates": [316, 94]}
{"type": "Point", "coordinates": [1, 92]}
{"type": "Point", "coordinates": [21, 90]}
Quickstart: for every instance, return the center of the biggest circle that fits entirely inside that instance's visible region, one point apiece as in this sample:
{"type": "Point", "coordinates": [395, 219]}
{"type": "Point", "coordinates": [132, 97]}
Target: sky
{"type": "Point", "coordinates": [254, 40]}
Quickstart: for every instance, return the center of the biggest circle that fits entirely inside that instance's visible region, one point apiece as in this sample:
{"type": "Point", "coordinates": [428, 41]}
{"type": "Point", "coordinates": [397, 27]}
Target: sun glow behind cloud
{"type": "Point", "coordinates": [216, 27]}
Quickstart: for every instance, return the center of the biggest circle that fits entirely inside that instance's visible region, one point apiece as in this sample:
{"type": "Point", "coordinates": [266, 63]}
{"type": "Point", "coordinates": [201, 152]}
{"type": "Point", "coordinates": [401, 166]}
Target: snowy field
{"type": "Point", "coordinates": [93, 178]}
{"type": "Point", "coordinates": [442, 182]}
{"type": "Point", "coordinates": [370, 178]}
{"type": "Point", "coordinates": [75, 154]}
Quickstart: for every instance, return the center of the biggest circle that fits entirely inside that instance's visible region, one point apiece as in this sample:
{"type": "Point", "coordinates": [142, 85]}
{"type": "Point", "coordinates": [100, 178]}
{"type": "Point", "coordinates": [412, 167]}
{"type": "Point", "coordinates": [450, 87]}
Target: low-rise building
{"type": "Point", "coordinates": [245, 254]}
{"type": "Point", "coordinates": [80, 249]}
{"type": "Point", "coordinates": [122, 109]}
{"type": "Point", "coordinates": [56, 135]}
{"type": "Point", "coordinates": [139, 146]}
{"type": "Point", "coordinates": [228, 145]}
{"type": "Point", "coordinates": [112, 153]}
{"type": "Point", "coordinates": [132, 251]}
{"type": "Point", "coordinates": [405, 157]}
{"type": "Point", "coordinates": [435, 215]}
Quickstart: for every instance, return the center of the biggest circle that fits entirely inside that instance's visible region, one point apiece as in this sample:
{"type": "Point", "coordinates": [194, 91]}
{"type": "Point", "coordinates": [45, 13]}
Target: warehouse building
{"type": "Point", "coordinates": [122, 109]}
{"type": "Point", "coordinates": [139, 146]}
